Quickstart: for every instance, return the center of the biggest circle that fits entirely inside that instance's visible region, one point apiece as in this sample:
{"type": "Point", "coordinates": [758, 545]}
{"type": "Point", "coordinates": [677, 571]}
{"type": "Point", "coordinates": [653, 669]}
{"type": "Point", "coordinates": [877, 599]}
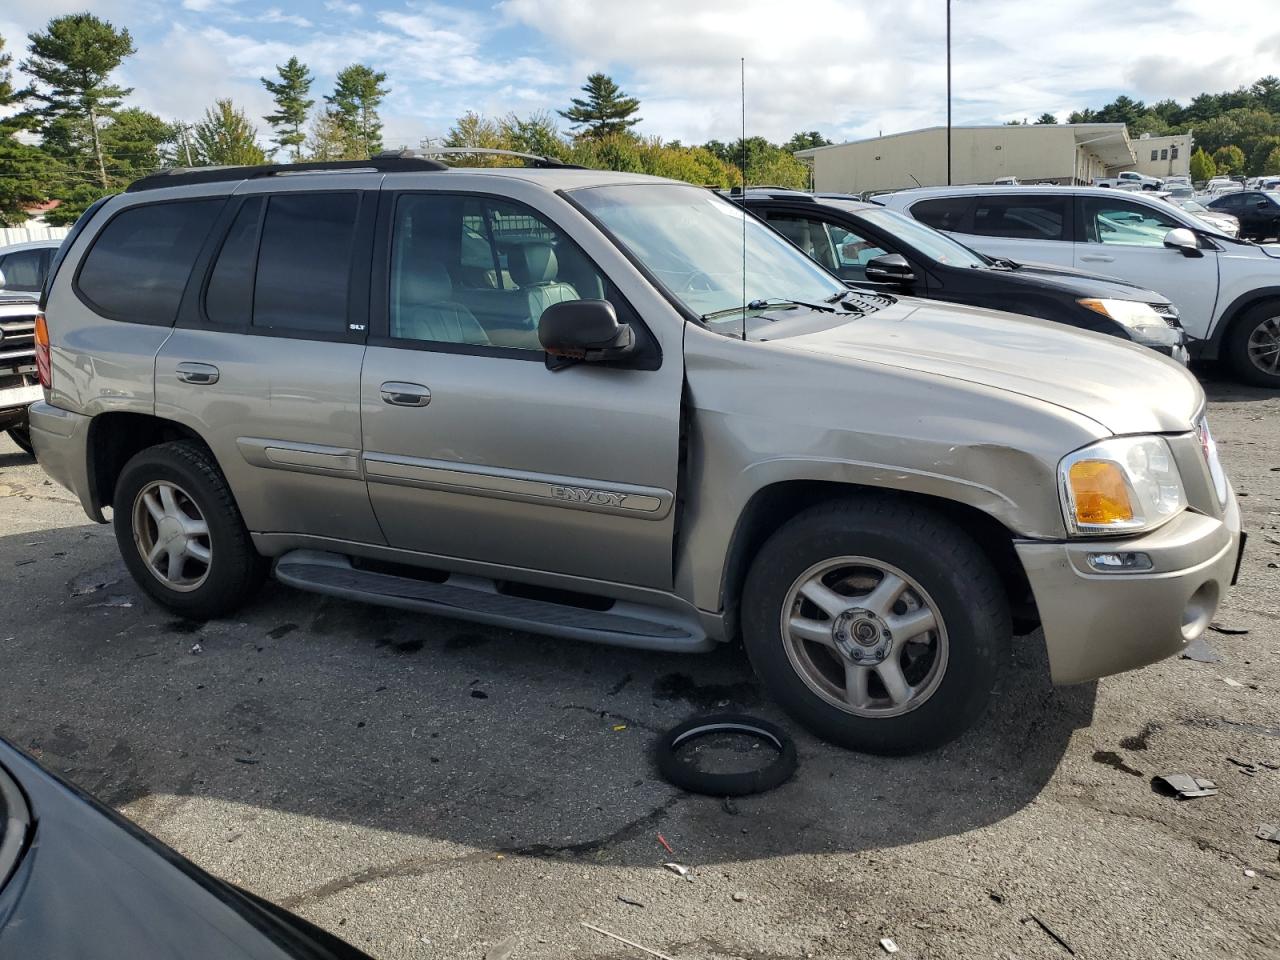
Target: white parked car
{"type": "Point", "coordinates": [1130, 180]}
{"type": "Point", "coordinates": [1227, 291]}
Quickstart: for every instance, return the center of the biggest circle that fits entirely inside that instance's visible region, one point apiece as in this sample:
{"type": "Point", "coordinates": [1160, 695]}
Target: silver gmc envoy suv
{"type": "Point", "coordinates": [605, 406]}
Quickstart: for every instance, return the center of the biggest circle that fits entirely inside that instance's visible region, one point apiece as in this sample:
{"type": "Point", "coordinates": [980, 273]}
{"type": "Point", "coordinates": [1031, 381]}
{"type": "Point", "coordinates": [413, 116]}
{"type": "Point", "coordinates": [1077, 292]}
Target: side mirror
{"type": "Point", "coordinates": [584, 330]}
{"type": "Point", "coordinates": [890, 268]}
{"type": "Point", "coordinates": [1184, 240]}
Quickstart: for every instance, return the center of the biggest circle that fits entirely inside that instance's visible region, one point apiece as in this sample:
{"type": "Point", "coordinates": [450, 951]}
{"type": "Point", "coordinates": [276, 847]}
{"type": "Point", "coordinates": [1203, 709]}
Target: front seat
{"type": "Point", "coordinates": [797, 231]}
{"type": "Point", "coordinates": [535, 268]}
{"type": "Point", "coordinates": [424, 310]}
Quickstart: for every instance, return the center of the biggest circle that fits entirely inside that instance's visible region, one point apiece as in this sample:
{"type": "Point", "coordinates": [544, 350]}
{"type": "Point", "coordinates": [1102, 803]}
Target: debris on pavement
{"type": "Point", "coordinates": [665, 846]}
{"type": "Point", "coordinates": [887, 945]}
{"type": "Point", "coordinates": [1200, 651]}
{"type": "Point", "coordinates": [1250, 873]}
{"type": "Point", "coordinates": [730, 806]}
{"type": "Point", "coordinates": [677, 869]}
{"type": "Point", "coordinates": [629, 943]}
{"type": "Point", "coordinates": [1269, 831]}
{"type": "Point", "coordinates": [1031, 917]}
{"type": "Point", "coordinates": [1249, 768]}
{"type": "Point", "coordinates": [1217, 627]}
{"type": "Point", "coordinates": [120, 601]}
{"type": "Point", "coordinates": [1184, 786]}
{"type": "Point", "coordinates": [631, 903]}
{"type": "Point", "coordinates": [503, 949]}
{"type": "Point", "coordinates": [1231, 683]}
{"type": "Point", "coordinates": [739, 897]}
{"type": "Point", "coordinates": [196, 648]}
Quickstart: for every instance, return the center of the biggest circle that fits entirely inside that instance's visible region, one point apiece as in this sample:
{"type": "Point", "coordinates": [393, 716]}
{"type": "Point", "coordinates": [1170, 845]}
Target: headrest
{"type": "Point", "coordinates": [532, 263]}
{"type": "Point", "coordinates": [425, 282]}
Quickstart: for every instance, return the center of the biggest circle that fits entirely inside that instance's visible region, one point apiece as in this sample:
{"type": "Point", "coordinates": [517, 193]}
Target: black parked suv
{"type": "Point", "coordinates": [872, 247]}
{"type": "Point", "coordinates": [1257, 210]}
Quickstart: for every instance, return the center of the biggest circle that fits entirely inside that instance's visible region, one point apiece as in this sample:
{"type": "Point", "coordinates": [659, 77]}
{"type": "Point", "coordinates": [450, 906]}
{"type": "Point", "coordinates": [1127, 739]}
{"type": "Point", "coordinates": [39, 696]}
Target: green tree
{"type": "Point", "coordinates": [1083, 116]}
{"type": "Point", "coordinates": [292, 105]}
{"type": "Point", "coordinates": [536, 134]}
{"type": "Point", "coordinates": [225, 137]}
{"type": "Point", "coordinates": [805, 141]}
{"type": "Point", "coordinates": [1229, 159]}
{"type": "Point", "coordinates": [24, 169]}
{"type": "Point", "coordinates": [1202, 166]}
{"type": "Point", "coordinates": [1272, 164]}
{"type": "Point", "coordinates": [1046, 118]}
{"type": "Point", "coordinates": [605, 110]}
{"type": "Point", "coordinates": [136, 143]}
{"type": "Point", "coordinates": [357, 94]}
{"type": "Point", "coordinates": [326, 140]}
{"type": "Point", "coordinates": [1122, 109]}
{"type": "Point", "coordinates": [1258, 155]}
{"type": "Point", "coordinates": [72, 61]}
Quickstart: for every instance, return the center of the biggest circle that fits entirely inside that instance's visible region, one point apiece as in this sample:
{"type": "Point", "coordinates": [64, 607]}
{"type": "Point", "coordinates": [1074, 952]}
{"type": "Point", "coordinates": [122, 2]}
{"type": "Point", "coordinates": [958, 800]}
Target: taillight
{"type": "Point", "coordinates": [44, 368]}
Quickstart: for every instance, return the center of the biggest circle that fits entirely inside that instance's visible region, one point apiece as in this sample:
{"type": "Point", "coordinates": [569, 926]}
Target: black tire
{"type": "Point", "coordinates": [235, 570]}
{"type": "Point", "coordinates": [1236, 347]}
{"type": "Point", "coordinates": [22, 437]}
{"type": "Point", "coordinates": [931, 550]}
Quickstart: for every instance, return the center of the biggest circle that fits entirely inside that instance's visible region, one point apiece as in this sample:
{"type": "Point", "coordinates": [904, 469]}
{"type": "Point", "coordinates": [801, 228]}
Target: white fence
{"type": "Point", "coordinates": [10, 235]}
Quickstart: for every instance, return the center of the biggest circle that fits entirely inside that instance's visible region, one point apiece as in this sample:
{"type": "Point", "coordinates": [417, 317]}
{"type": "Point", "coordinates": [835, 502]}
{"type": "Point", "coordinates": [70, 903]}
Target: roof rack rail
{"type": "Point", "coordinates": [534, 159]}
{"type": "Point", "coordinates": [389, 162]}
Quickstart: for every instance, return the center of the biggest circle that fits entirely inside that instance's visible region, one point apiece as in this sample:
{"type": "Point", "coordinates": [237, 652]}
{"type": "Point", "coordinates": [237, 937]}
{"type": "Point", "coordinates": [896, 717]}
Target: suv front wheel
{"type": "Point", "coordinates": [1253, 345]}
{"type": "Point", "coordinates": [877, 623]}
{"type": "Point", "coordinates": [181, 534]}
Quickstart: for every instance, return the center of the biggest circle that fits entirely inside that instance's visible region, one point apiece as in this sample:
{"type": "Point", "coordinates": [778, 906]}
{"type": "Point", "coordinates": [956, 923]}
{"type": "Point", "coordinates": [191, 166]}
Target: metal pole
{"type": "Point", "coordinates": [948, 92]}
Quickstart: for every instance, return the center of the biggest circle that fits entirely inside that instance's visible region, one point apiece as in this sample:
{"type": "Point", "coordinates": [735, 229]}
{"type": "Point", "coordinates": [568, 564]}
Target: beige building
{"type": "Point", "coordinates": [1042, 153]}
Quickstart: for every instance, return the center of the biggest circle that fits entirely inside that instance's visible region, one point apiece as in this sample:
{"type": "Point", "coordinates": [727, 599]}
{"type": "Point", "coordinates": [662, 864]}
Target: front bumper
{"type": "Point", "coordinates": [61, 441]}
{"type": "Point", "coordinates": [15, 397]}
{"type": "Point", "coordinates": [1096, 624]}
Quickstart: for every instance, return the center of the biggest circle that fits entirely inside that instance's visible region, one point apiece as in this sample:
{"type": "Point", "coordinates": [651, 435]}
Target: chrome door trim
{"type": "Point", "coordinates": [300, 457]}
{"type": "Point", "coordinates": [576, 493]}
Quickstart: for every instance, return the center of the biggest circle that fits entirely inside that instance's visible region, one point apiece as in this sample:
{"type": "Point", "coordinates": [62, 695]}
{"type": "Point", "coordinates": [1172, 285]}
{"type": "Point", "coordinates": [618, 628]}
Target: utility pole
{"type": "Point", "coordinates": [186, 144]}
{"type": "Point", "coordinates": [948, 93]}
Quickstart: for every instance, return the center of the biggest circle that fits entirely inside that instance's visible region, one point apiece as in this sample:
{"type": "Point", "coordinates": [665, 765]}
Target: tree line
{"type": "Point", "coordinates": [1236, 132]}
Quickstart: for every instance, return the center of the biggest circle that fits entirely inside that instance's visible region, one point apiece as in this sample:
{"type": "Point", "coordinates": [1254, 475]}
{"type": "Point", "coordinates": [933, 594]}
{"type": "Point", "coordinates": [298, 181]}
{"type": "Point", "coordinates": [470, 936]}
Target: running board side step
{"type": "Point", "coordinates": [625, 624]}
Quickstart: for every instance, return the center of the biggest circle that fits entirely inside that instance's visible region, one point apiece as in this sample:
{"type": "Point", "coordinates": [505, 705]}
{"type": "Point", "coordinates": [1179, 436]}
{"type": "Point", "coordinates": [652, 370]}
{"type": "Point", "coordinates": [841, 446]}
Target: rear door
{"type": "Point", "coordinates": [1124, 238]}
{"type": "Point", "coordinates": [1023, 226]}
{"type": "Point", "coordinates": [265, 360]}
{"type": "Point", "coordinates": [474, 449]}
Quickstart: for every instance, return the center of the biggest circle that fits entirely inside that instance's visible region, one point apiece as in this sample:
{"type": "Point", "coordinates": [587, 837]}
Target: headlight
{"type": "Point", "coordinates": [1210, 451]}
{"type": "Point", "coordinates": [1122, 485]}
{"type": "Point", "coordinates": [1136, 317]}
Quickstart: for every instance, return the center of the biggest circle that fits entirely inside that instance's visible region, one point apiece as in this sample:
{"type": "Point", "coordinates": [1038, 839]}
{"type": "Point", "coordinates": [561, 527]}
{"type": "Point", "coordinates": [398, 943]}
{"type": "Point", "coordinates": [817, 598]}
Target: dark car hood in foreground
{"type": "Point", "coordinates": [93, 886]}
{"type": "Point", "coordinates": [1081, 283]}
{"type": "Point", "coordinates": [1124, 387]}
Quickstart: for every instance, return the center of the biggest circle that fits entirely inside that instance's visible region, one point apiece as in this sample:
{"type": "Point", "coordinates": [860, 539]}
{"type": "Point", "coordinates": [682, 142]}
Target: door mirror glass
{"type": "Point", "coordinates": [890, 268]}
{"type": "Point", "coordinates": [584, 330]}
{"type": "Point", "coordinates": [1182, 239]}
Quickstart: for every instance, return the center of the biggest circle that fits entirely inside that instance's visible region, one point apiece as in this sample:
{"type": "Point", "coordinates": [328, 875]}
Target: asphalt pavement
{"type": "Point", "coordinates": [428, 788]}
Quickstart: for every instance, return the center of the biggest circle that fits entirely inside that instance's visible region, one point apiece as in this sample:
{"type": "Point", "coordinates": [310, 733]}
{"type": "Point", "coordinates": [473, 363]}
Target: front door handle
{"type": "Point", "coordinates": [199, 373]}
{"type": "Point", "coordinates": [1097, 258]}
{"type": "Point", "coordinates": [405, 394]}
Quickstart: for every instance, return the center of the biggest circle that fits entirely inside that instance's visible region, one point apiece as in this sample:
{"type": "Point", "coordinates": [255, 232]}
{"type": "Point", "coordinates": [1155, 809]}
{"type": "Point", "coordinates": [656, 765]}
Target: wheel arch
{"type": "Point", "coordinates": [114, 439]}
{"type": "Point", "coordinates": [777, 503]}
{"type": "Point", "coordinates": [1231, 316]}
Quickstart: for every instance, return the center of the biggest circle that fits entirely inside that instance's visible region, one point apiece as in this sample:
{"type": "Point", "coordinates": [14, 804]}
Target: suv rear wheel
{"type": "Point", "coordinates": [1253, 345]}
{"type": "Point", "coordinates": [876, 623]}
{"type": "Point", "coordinates": [181, 534]}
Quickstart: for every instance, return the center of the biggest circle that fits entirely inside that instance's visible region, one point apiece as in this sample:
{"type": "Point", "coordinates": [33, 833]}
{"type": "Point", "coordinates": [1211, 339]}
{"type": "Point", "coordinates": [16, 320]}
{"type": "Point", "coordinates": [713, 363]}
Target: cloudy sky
{"type": "Point", "coordinates": [850, 68]}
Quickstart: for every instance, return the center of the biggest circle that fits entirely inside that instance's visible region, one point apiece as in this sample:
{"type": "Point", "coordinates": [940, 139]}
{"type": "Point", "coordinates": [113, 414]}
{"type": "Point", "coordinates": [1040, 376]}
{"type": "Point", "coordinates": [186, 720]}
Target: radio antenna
{"type": "Point", "coordinates": [742, 63]}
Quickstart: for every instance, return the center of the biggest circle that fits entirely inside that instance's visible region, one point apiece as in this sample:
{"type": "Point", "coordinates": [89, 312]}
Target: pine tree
{"type": "Point", "coordinates": [357, 94]}
{"type": "Point", "coordinates": [226, 137]}
{"type": "Point", "coordinates": [292, 105]}
{"type": "Point", "coordinates": [73, 61]}
{"type": "Point", "coordinates": [23, 168]}
{"type": "Point", "coordinates": [605, 110]}
{"type": "Point", "coordinates": [1046, 118]}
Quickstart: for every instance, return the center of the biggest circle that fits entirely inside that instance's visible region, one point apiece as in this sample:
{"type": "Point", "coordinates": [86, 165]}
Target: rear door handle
{"type": "Point", "coordinates": [200, 373]}
{"type": "Point", "coordinates": [405, 394]}
{"type": "Point", "coordinates": [1097, 258]}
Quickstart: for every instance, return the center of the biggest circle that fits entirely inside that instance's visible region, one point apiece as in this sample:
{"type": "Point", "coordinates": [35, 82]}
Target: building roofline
{"type": "Point", "coordinates": [1100, 127]}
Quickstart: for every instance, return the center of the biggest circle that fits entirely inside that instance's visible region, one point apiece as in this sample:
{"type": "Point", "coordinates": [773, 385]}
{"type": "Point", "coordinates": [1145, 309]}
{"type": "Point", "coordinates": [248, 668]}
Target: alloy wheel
{"type": "Point", "coordinates": [172, 536]}
{"type": "Point", "coordinates": [865, 636]}
{"type": "Point", "coordinates": [1264, 346]}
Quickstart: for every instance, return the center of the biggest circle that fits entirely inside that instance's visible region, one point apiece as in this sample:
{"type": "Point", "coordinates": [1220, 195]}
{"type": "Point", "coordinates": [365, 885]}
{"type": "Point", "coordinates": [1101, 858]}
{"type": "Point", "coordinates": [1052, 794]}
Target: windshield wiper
{"type": "Point", "coordinates": [765, 303]}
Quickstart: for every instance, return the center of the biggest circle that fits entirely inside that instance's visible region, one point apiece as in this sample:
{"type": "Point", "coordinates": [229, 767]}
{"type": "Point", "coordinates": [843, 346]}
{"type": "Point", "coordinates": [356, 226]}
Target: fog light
{"type": "Point", "coordinates": [1119, 562]}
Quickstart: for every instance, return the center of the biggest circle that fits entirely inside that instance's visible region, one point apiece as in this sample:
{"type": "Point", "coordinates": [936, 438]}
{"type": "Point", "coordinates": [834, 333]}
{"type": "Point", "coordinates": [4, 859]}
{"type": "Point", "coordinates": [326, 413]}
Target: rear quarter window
{"type": "Point", "coordinates": [943, 213]}
{"type": "Point", "coordinates": [140, 262]}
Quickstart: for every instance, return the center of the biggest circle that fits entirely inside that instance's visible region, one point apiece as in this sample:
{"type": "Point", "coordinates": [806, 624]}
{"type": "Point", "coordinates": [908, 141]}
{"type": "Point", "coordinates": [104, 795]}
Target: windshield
{"type": "Point", "coordinates": [1193, 206]}
{"type": "Point", "coordinates": [928, 241]}
{"type": "Point", "coordinates": [692, 240]}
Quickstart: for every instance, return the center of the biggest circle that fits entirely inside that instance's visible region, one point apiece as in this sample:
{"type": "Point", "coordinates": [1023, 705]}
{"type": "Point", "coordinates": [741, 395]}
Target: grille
{"type": "Point", "coordinates": [18, 342]}
{"type": "Point", "coordinates": [1168, 312]}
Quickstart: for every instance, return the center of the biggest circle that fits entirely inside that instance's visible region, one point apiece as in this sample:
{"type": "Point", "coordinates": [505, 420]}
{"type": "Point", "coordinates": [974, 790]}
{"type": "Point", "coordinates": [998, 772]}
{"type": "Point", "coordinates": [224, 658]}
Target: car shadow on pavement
{"type": "Point", "coordinates": [484, 738]}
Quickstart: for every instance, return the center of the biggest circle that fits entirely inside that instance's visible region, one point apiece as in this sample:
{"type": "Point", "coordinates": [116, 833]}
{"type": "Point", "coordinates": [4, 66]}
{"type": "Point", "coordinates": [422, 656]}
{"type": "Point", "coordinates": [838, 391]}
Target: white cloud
{"type": "Point", "coordinates": [276, 15]}
{"type": "Point", "coordinates": [341, 6]}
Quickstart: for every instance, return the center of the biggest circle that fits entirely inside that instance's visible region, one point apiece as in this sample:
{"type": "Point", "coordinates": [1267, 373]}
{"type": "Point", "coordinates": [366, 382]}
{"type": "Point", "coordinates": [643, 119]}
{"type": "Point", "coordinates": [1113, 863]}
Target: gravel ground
{"type": "Point", "coordinates": [428, 788]}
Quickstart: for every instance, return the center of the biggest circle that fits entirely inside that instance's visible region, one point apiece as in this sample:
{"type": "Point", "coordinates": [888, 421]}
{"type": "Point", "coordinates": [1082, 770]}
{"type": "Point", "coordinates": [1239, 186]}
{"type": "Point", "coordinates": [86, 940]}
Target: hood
{"type": "Point", "coordinates": [1124, 387]}
{"type": "Point", "coordinates": [1081, 283]}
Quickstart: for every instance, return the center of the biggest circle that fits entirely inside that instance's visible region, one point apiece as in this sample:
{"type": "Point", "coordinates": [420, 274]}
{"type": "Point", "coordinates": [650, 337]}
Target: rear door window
{"type": "Point", "coordinates": [304, 262]}
{"type": "Point", "coordinates": [140, 263]}
{"type": "Point", "coordinates": [1020, 217]}
{"type": "Point", "coordinates": [943, 213]}
{"type": "Point", "coordinates": [229, 296]}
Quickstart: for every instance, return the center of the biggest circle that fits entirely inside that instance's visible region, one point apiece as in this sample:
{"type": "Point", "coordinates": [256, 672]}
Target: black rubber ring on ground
{"type": "Point", "coordinates": [689, 778]}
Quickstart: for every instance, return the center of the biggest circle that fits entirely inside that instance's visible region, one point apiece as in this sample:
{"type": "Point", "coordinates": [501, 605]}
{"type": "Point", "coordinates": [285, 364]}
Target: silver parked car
{"type": "Point", "coordinates": [536, 398]}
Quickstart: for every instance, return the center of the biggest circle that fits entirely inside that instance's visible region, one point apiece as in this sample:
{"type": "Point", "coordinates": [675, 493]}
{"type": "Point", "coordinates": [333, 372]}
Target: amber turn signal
{"type": "Point", "coordinates": [1099, 492]}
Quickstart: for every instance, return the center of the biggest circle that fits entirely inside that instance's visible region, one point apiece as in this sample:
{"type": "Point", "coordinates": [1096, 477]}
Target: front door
{"type": "Point", "coordinates": [474, 449]}
{"type": "Point", "coordinates": [1125, 238]}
